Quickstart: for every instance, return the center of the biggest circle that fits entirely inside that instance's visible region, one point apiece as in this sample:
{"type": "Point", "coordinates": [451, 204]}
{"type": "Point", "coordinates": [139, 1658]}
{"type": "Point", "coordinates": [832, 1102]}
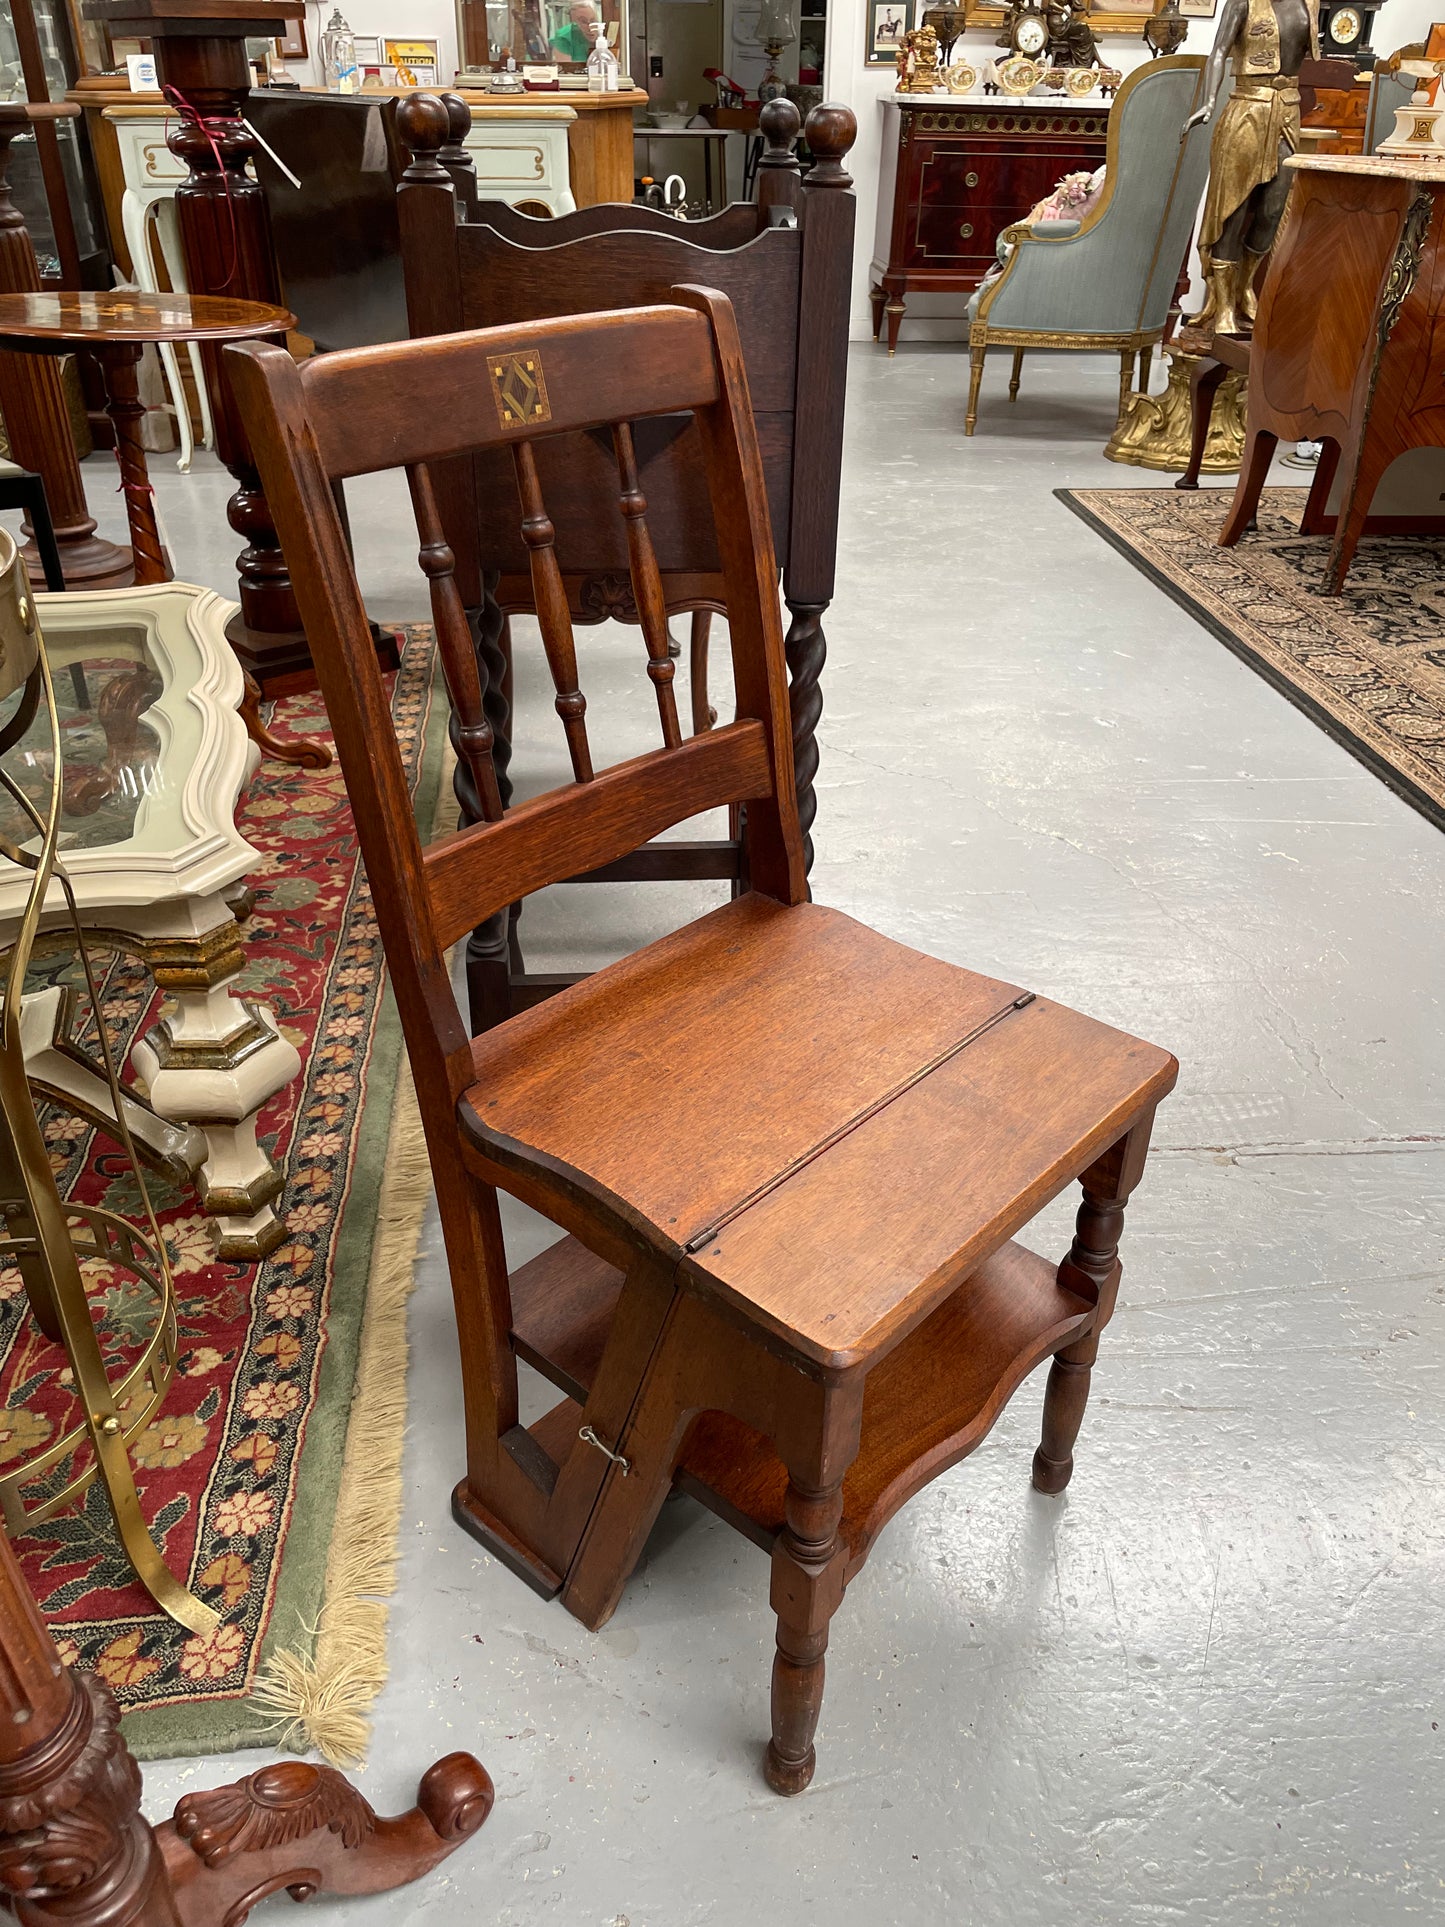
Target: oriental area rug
{"type": "Point", "coordinates": [270, 1477]}
{"type": "Point", "coordinates": [1368, 665]}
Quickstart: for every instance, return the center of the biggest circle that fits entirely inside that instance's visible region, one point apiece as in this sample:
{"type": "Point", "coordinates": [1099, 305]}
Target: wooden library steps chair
{"type": "Point", "coordinates": [786, 263]}
{"type": "Point", "coordinates": [789, 1155]}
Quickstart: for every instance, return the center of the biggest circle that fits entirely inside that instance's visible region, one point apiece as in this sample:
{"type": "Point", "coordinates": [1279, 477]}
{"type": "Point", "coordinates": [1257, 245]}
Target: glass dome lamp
{"type": "Point", "coordinates": [776, 28]}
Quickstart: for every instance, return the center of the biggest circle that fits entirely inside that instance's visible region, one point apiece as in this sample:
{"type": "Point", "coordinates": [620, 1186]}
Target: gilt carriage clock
{"type": "Point", "coordinates": [1345, 27]}
{"type": "Point", "coordinates": [1026, 30]}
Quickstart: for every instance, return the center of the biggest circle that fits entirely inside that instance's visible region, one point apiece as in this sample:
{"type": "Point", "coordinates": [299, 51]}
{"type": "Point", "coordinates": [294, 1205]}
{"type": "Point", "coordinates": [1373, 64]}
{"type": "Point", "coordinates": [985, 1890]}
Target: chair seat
{"type": "Point", "coordinates": [820, 1126]}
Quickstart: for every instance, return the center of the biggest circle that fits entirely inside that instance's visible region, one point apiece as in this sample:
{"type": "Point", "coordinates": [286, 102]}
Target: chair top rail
{"type": "Point", "coordinates": [496, 386]}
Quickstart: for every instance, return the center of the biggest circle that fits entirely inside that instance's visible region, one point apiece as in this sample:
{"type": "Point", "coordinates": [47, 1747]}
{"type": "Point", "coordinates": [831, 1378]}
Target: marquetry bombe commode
{"type": "Point", "coordinates": [965, 170]}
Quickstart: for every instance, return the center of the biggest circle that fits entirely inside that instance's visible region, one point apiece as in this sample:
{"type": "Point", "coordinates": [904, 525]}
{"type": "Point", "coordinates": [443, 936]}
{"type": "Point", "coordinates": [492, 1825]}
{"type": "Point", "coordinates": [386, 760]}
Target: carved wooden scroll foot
{"type": "Point", "coordinates": [306, 1829]}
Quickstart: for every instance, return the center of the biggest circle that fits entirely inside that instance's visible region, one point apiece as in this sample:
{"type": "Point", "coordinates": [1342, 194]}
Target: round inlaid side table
{"type": "Point", "coordinates": [116, 327]}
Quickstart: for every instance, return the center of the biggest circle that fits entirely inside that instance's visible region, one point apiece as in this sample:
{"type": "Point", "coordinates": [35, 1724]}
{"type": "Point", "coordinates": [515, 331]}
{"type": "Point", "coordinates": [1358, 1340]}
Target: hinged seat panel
{"type": "Point", "coordinates": [861, 1123]}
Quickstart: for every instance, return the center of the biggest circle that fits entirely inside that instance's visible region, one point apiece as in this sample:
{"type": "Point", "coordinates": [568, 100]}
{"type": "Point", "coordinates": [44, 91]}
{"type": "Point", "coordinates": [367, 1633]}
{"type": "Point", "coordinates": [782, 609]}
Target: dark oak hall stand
{"type": "Point", "coordinates": [785, 260]}
{"type": "Point", "coordinates": [788, 1156]}
{"type": "Point", "coordinates": [74, 1847]}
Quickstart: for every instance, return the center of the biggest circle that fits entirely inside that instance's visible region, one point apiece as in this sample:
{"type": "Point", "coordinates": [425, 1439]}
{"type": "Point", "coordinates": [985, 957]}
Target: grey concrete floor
{"type": "Point", "coordinates": [1205, 1686]}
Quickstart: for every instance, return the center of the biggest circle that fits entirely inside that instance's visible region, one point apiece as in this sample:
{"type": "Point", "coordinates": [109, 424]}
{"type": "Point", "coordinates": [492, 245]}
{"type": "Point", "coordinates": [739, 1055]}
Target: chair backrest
{"type": "Point", "coordinates": [789, 282]}
{"type": "Point", "coordinates": [515, 391]}
{"type": "Point", "coordinates": [1117, 274]}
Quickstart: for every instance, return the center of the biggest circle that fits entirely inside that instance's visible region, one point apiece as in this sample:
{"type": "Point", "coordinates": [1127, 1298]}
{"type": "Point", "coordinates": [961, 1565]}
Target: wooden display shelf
{"type": "Point", "coordinates": [928, 1405]}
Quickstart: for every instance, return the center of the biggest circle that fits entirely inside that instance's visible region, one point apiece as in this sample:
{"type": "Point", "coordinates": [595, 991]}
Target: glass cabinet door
{"type": "Point", "coordinates": [59, 70]}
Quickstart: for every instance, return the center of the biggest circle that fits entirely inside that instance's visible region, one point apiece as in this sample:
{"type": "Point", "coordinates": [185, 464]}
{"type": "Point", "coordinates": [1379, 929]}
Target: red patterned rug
{"type": "Point", "coordinates": [241, 1471]}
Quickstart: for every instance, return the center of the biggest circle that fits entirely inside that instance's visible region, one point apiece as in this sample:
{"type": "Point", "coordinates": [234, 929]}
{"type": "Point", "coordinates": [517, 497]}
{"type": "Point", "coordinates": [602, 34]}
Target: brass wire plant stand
{"type": "Point", "coordinates": [48, 1240]}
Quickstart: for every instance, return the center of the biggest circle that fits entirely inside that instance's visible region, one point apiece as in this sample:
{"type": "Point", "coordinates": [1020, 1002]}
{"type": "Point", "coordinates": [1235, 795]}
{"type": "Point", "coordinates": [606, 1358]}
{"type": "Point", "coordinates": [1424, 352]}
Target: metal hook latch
{"type": "Point", "coordinates": [606, 1450]}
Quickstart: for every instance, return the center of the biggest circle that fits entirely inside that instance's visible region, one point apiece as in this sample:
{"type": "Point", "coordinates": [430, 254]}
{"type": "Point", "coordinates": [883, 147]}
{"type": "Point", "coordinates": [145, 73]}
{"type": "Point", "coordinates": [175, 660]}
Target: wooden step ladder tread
{"type": "Point", "coordinates": [927, 1406]}
{"type": "Point", "coordinates": [562, 1306]}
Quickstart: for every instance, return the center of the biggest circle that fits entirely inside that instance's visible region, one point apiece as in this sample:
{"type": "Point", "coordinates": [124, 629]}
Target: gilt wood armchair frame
{"type": "Point", "coordinates": [1132, 310]}
{"type": "Point", "coordinates": [785, 262]}
{"type": "Point", "coordinates": [790, 1156]}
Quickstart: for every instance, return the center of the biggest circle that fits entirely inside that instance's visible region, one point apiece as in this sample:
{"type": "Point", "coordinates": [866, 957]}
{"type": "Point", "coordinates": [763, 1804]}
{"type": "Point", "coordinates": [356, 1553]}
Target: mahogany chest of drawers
{"type": "Point", "coordinates": [967, 168]}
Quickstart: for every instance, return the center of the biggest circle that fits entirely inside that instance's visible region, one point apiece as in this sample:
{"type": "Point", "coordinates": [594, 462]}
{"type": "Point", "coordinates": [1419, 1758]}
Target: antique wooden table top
{"type": "Point", "coordinates": [54, 320]}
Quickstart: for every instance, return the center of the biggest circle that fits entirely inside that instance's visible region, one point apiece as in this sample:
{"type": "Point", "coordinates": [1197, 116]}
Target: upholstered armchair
{"type": "Point", "coordinates": [1106, 281]}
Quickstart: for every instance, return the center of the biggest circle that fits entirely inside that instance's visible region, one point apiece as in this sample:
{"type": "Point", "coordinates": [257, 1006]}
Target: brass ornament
{"type": "Point", "coordinates": [47, 1239]}
{"type": "Point", "coordinates": [1154, 431]}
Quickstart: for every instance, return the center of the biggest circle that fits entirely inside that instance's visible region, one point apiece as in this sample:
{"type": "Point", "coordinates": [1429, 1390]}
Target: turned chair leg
{"type": "Point", "coordinates": [975, 382]}
{"type": "Point", "coordinates": [1092, 1269]}
{"type": "Point", "coordinates": [1126, 378]}
{"type": "Point", "coordinates": [1146, 368]}
{"type": "Point", "coordinates": [807, 1590]}
{"type": "Point", "coordinates": [703, 714]}
{"type": "Point", "coordinates": [1013, 380]}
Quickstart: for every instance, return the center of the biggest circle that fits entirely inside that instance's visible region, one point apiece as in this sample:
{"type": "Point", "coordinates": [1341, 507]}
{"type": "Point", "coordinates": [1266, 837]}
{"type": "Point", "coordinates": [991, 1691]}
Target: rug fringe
{"type": "Point", "coordinates": [324, 1700]}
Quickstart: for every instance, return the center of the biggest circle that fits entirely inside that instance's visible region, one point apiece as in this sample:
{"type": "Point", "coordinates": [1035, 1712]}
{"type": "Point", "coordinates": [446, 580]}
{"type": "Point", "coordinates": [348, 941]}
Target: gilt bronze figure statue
{"type": "Point", "coordinates": [1258, 128]}
{"type": "Point", "coordinates": [1071, 38]}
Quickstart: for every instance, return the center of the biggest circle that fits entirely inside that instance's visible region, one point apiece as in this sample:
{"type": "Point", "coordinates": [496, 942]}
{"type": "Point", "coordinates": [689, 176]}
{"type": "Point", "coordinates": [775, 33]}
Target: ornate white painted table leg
{"type": "Point", "coordinates": [135, 223]}
{"type": "Point", "coordinates": [62, 1069]}
{"type": "Point", "coordinates": [212, 1060]}
{"type": "Point", "coordinates": [168, 232]}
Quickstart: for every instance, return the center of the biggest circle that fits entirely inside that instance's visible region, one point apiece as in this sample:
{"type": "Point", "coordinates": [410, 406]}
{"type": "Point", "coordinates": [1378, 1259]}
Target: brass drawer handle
{"type": "Point", "coordinates": [966, 229]}
{"type": "Point", "coordinates": [970, 179]}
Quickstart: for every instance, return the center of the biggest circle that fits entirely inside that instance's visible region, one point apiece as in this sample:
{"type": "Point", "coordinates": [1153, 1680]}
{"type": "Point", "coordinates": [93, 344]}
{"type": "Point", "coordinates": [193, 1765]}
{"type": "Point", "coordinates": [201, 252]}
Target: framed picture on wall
{"type": "Point", "coordinates": [1105, 16]}
{"type": "Point", "coordinates": [1199, 9]}
{"type": "Point", "coordinates": [418, 63]}
{"type": "Point", "coordinates": [888, 21]}
{"type": "Point", "coordinates": [291, 41]}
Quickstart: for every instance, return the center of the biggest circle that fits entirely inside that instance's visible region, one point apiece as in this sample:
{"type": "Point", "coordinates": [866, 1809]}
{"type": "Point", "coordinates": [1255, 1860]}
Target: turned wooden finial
{"type": "Point", "coordinates": [423, 122]}
{"type": "Point", "coordinates": [459, 124]}
{"type": "Point", "coordinates": [830, 131]}
{"type": "Point", "coordinates": [780, 123]}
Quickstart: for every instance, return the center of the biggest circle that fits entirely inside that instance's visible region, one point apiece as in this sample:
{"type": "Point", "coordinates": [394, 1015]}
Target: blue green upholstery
{"type": "Point", "coordinates": [1115, 272]}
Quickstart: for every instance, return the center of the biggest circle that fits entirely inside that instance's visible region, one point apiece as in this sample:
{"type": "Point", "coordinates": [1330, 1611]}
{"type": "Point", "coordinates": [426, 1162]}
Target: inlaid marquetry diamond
{"type": "Point", "coordinates": [520, 388]}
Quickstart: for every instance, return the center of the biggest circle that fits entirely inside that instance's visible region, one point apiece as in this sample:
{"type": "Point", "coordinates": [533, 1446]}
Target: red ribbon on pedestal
{"type": "Point", "coordinates": [210, 129]}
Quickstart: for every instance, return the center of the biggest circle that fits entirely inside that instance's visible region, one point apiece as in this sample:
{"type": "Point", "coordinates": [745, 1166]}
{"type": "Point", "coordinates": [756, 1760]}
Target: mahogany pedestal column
{"type": "Point", "coordinates": [32, 397]}
{"type": "Point", "coordinates": [74, 1846]}
{"type": "Point", "coordinates": [200, 51]}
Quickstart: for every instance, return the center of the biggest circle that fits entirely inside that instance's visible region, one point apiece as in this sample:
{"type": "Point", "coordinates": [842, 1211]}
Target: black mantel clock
{"type": "Point", "coordinates": [1345, 27]}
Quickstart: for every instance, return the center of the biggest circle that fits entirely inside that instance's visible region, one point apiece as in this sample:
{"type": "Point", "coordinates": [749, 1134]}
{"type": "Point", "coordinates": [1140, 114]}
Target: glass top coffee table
{"type": "Point", "coordinates": [156, 759]}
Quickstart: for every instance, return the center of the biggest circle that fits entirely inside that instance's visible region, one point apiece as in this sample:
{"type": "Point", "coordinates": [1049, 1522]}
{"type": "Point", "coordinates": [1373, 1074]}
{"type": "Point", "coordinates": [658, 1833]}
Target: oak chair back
{"type": "Point", "coordinates": [510, 392]}
{"type": "Point", "coordinates": [784, 261]}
